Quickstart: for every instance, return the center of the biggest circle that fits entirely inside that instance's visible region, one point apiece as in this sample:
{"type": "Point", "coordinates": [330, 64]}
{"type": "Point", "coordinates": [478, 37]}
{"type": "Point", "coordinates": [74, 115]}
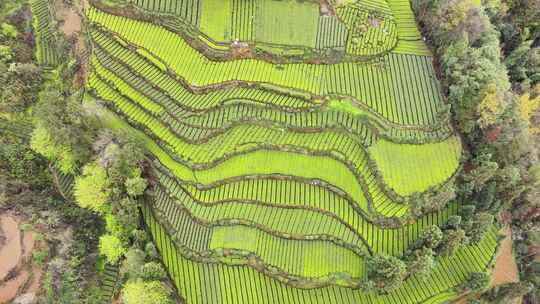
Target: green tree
{"type": "Point", "coordinates": [452, 240]}
{"type": "Point", "coordinates": [135, 186]}
{"type": "Point", "coordinates": [116, 228]}
{"type": "Point", "coordinates": [127, 215]}
{"type": "Point", "coordinates": [153, 271]}
{"type": "Point", "coordinates": [92, 188]}
{"type": "Point", "coordinates": [430, 237]}
{"type": "Point", "coordinates": [126, 161]}
{"type": "Point", "coordinates": [453, 222]}
{"type": "Point", "coordinates": [507, 293]}
{"type": "Point", "coordinates": [9, 31]}
{"type": "Point", "coordinates": [64, 117]}
{"type": "Point", "coordinates": [111, 247]}
{"type": "Point", "coordinates": [43, 143]}
{"type": "Point", "coordinates": [140, 292]}
{"type": "Point", "coordinates": [385, 273]}
{"type": "Point", "coordinates": [481, 224]}
{"type": "Point", "coordinates": [133, 263]}
{"type": "Point", "coordinates": [421, 262]}
{"type": "Point", "coordinates": [477, 281]}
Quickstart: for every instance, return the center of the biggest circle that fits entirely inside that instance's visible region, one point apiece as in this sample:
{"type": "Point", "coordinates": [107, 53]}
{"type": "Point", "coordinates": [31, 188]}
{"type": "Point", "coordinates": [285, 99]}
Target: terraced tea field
{"type": "Point", "coordinates": [274, 182]}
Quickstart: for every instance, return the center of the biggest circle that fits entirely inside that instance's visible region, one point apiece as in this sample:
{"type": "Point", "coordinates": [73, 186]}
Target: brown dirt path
{"type": "Point", "coordinates": [71, 20]}
{"type": "Point", "coordinates": [506, 270]}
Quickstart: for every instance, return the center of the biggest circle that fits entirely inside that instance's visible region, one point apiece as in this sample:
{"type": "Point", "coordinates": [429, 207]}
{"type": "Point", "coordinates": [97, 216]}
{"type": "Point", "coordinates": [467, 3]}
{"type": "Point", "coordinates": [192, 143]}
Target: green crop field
{"type": "Point", "coordinates": [219, 283]}
{"type": "Point", "coordinates": [415, 168]}
{"type": "Point", "coordinates": [42, 16]}
{"type": "Point", "coordinates": [274, 183]}
{"type": "Point", "coordinates": [283, 24]}
{"type": "Point", "coordinates": [414, 97]}
{"type": "Point", "coordinates": [359, 28]}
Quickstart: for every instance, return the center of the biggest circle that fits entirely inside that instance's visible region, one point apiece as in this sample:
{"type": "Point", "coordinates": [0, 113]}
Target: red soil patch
{"type": "Point", "coordinates": [15, 251]}
{"type": "Point", "coordinates": [506, 270]}
{"type": "Point", "coordinates": [11, 250]}
{"type": "Point", "coordinates": [71, 21]}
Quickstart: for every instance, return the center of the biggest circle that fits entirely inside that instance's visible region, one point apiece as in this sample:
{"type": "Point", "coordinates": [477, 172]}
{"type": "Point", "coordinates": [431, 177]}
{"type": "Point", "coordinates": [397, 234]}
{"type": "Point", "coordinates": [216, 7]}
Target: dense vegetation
{"type": "Point", "coordinates": [483, 87]}
{"type": "Point", "coordinates": [250, 151]}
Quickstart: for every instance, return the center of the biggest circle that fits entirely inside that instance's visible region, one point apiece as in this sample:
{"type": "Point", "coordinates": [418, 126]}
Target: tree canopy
{"type": "Point", "coordinates": [92, 188]}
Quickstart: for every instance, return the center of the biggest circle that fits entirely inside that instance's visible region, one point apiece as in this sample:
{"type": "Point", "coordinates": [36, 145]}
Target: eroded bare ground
{"type": "Point", "coordinates": [18, 277]}
{"type": "Point", "coordinates": [70, 21]}
{"type": "Point", "coordinates": [71, 24]}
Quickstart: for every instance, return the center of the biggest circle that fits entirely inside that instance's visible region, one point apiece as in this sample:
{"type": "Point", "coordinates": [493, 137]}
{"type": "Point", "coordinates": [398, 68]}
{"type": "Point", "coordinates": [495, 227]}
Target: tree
{"type": "Point", "coordinates": [385, 273]}
{"type": "Point", "coordinates": [116, 228]}
{"type": "Point", "coordinates": [126, 212]}
{"type": "Point", "coordinates": [6, 54]}
{"type": "Point", "coordinates": [489, 108]}
{"type": "Point", "coordinates": [421, 262]}
{"type": "Point", "coordinates": [481, 224]}
{"type": "Point", "coordinates": [127, 159]}
{"type": "Point", "coordinates": [467, 212]}
{"type": "Point", "coordinates": [136, 185]}
{"type": "Point", "coordinates": [92, 188]}
{"type": "Point", "coordinates": [453, 222]}
{"type": "Point", "coordinates": [9, 31]}
{"type": "Point", "coordinates": [153, 271]}
{"type": "Point", "coordinates": [64, 117]}
{"type": "Point", "coordinates": [452, 240]}
{"type": "Point", "coordinates": [430, 237]}
{"type": "Point", "coordinates": [477, 281]}
{"type": "Point", "coordinates": [484, 171]}
{"type": "Point", "coordinates": [42, 142]}
{"type": "Point", "coordinates": [133, 263]}
{"type": "Point", "coordinates": [139, 292]}
{"type": "Point", "coordinates": [507, 293]}
{"type": "Point", "coordinates": [19, 82]}
{"type": "Point", "coordinates": [151, 250]}
{"type": "Point", "coordinates": [432, 200]}
{"type": "Point", "coordinates": [111, 247]}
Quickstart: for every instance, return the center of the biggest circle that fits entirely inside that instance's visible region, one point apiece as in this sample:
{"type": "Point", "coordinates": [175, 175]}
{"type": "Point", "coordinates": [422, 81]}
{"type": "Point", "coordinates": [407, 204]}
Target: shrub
{"type": "Point", "coordinates": [140, 292]}
{"type": "Point", "coordinates": [39, 256]}
{"type": "Point", "coordinates": [111, 247]}
{"type": "Point", "coordinates": [135, 186]}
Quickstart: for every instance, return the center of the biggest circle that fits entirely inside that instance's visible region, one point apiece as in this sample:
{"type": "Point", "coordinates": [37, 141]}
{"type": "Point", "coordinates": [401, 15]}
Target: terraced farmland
{"type": "Point", "coordinates": [42, 15]}
{"type": "Point", "coordinates": [274, 182]}
{"type": "Point", "coordinates": [363, 28]}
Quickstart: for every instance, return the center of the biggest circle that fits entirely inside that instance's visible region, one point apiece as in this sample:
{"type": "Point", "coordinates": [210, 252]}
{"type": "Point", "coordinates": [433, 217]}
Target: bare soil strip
{"type": "Point", "coordinates": [506, 270]}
